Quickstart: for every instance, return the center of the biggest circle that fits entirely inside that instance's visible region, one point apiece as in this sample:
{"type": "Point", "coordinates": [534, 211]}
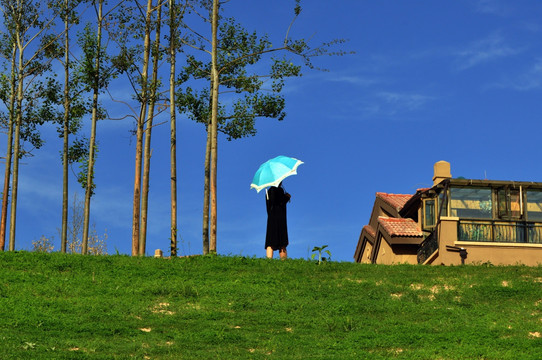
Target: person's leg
{"type": "Point", "coordinates": [269, 252]}
{"type": "Point", "coordinates": [283, 253]}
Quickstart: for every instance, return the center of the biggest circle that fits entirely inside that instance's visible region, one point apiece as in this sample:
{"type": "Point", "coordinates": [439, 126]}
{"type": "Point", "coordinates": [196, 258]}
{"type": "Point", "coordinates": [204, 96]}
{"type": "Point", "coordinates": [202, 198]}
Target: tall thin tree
{"type": "Point", "coordinates": [28, 28]}
{"type": "Point", "coordinates": [65, 132]}
{"type": "Point", "coordinates": [91, 150]}
{"type": "Point", "coordinates": [148, 131]}
{"type": "Point", "coordinates": [176, 15]}
{"type": "Point", "coordinates": [72, 114]}
{"type": "Point", "coordinates": [140, 129]}
{"type": "Point", "coordinates": [9, 150]}
{"type": "Point", "coordinates": [173, 46]}
{"type": "Point", "coordinates": [214, 125]}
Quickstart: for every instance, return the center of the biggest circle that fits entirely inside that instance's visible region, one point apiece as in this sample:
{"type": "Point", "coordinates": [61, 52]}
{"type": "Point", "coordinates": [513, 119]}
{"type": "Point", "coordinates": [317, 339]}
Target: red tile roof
{"type": "Point", "coordinates": [370, 230]}
{"type": "Point", "coordinates": [400, 226]}
{"type": "Point", "coordinates": [395, 200]}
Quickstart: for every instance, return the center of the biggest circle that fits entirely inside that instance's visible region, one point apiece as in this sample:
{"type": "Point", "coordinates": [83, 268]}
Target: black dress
{"type": "Point", "coordinates": [277, 230]}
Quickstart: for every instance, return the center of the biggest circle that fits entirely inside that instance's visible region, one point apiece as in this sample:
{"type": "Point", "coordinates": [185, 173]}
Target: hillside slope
{"type": "Point", "coordinates": [55, 306]}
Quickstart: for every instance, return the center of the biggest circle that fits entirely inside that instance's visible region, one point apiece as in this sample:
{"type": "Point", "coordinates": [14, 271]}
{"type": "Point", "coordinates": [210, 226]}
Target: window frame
{"type": "Point", "coordinates": [424, 213]}
{"type": "Point", "coordinates": [526, 205]}
{"type": "Point", "coordinates": [451, 199]}
{"type": "Point", "coordinates": [508, 192]}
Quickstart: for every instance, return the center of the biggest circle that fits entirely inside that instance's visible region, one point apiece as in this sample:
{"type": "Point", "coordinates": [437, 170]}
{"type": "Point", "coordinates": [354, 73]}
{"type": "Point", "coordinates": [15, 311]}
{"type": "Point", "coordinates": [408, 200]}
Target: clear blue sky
{"type": "Point", "coordinates": [458, 80]}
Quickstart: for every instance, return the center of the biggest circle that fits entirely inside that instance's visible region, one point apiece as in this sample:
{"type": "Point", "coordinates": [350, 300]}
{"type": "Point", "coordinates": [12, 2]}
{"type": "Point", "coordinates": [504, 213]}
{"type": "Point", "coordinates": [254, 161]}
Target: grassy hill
{"type": "Point", "coordinates": [55, 306]}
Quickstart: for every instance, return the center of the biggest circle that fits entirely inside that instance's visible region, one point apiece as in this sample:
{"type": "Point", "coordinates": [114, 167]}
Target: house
{"type": "Point", "coordinates": [457, 221]}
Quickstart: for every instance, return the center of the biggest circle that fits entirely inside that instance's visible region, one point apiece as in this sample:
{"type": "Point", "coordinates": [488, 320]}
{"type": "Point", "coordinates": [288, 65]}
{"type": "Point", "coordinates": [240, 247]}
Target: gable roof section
{"type": "Point", "coordinates": [369, 229]}
{"type": "Point", "coordinates": [393, 228]}
{"type": "Point", "coordinates": [400, 227]}
{"type": "Point", "coordinates": [397, 201]}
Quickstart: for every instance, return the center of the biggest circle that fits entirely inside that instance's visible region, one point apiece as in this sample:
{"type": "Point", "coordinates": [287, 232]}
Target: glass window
{"type": "Point", "coordinates": [509, 203]}
{"type": "Point", "coordinates": [515, 204]}
{"type": "Point", "coordinates": [429, 213]}
{"type": "Point", "coordinates": [471, 202]}
{"type": "Point", "coordinates": [443, 205]}
{"type": "Point", "coordinates": [534, 205]}
{"type": "Point", "coordinates": [501, 199]}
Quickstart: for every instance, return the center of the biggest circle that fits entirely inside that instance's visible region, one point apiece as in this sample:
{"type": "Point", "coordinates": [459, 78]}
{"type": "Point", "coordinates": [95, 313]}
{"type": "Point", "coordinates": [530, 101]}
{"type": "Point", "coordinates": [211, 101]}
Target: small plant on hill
{"type": "Point", "coordinates": [44, 244]}
{"type": "Point", "coordinates": [319, 249]}
{"type": "Point", "coordinates": [97, 245]}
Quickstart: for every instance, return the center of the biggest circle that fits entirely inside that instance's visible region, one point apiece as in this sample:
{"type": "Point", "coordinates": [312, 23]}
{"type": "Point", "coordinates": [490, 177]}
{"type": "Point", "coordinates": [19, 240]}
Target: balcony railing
{"type": "Point", "coordinates": [427, 247]}
{"type": "Point", "coordinates": [499, 231]}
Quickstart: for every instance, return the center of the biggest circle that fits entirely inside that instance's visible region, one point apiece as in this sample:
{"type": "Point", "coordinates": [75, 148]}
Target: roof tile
{"type": "Point", "coordinates": [400, 226]}
{"type": "Point", "coordinates": [395, 200]}
{"type": "Point", "coordinates": [370, 230]}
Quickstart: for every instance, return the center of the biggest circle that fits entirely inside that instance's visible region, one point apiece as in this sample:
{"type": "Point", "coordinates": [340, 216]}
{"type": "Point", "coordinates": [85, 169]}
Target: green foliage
{"type": "Point", "coordinates": [36, 110]}
{"type": "Point", "coordinates": [79, 151]}
{"type": "Point", "coordinates": [204, 307]}
{"type": "Point", "coordinates": [249, 91]}
{"type": "Point", "coordinates": [250, 96]}
{"type": "Point", "coordinates": [66, 11]}
{"type": "Point", "coordinates": [87, 74]}
{"type": "Point", "coordinates": [127, 30]}
{"type": "Point", "coordinates": [318, 250]}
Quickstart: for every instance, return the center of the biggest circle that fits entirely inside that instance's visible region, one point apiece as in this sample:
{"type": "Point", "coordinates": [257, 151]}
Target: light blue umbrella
{"type": "Point", "coordinates": [273, 171]}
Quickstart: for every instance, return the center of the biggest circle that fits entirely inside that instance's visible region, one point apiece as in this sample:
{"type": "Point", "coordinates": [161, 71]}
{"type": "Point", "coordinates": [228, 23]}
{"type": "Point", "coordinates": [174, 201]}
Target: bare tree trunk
{"type": "Point", "coordinates": [148, 133]}
{"type": "Point", "coordinates": [9, 151]}
{"type": "Point", "coordinates": [136, 218]}
{"type": "Point", "coordinates": [17, 143]}
{"type": "Point", "coordinates": [15, 181]}
{"type": "Point", "coordinates": [214, 126]}
{"type": "Point", "coordinates": [137, 184]}
{"type": "Point", "coordinates": [206, 190]}
{"type": "Point", "coordinates": [64, 234]}
{"type": "Point", "coordinates": [90, 171]}
{"type": "Point", "coordinates": [173, 126]}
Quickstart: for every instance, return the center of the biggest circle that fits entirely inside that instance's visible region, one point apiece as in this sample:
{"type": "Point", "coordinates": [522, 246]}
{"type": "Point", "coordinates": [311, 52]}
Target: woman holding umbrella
{"type": "Point", "coordinates": [276, 237]}
{"type": "Point", "coordinates": [270, 174]}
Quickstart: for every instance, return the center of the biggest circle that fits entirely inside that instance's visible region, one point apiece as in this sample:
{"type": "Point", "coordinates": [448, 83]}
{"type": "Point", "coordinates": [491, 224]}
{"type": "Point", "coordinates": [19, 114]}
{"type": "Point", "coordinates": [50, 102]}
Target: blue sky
{"type": "Point", "coordinates": [458, 80]}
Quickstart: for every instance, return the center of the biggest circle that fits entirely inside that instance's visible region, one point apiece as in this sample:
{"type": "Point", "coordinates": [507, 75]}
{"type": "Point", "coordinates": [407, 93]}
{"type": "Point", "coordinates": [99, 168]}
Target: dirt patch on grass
{"type": "Point", "coordinates": [162, 308]}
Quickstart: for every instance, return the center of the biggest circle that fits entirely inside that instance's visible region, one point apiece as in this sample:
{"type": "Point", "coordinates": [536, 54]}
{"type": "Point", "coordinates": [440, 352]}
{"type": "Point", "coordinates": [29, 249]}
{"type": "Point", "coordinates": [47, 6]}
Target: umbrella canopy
{"type": "Point", "coordinates": [273, 171]}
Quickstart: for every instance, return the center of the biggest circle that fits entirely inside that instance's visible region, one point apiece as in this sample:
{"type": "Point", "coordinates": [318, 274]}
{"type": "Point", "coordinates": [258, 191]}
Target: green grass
{"type": "Point", "coordinates": [55, 306]}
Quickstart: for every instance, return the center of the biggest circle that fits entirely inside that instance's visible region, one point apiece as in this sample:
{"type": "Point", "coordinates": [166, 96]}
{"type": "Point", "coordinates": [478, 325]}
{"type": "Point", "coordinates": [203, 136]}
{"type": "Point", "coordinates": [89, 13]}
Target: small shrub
{"type": "Point", "coordinates": [44, 244]}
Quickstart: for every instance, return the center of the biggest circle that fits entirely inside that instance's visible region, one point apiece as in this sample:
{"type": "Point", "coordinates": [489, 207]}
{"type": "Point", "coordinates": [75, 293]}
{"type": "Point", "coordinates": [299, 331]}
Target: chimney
{"type": "Point", "coordinates": [442, 172]}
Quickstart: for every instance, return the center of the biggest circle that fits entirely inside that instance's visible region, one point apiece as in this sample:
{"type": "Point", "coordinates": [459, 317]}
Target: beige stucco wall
{"type": "Point", "coordinates": [387, 256]}
{"type": "Point", "coordinates": [503, 254]}
{"type": "Point", "coordinates": [479, 252]}
{"type": "Point", "coordinates": [366, 257]}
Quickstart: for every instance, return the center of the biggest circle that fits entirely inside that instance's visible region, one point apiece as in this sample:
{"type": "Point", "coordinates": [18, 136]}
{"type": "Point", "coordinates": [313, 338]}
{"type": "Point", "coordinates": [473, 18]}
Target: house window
{"type": "Point", "coordinates": [443, 204]}
{"type": "Point", "coordinates": [509, 203]}
{"type": "Point", "coordinates": [534, 205]}
{"type": "Point", "coordinates": [471, 202]}
{"type": "Point", "coordinates": [429, 213]}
